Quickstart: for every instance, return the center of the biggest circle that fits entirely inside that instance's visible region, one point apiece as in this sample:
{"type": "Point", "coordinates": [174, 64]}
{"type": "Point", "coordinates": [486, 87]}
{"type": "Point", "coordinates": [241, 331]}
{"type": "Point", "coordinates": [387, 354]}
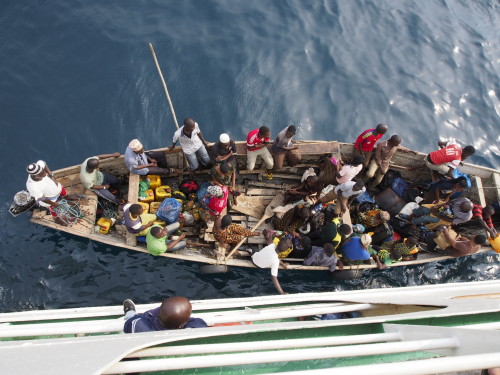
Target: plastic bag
{"type": "Point", "coordinates": [188, 218]}
{"type": "Point", "coordinates": [169, 210]}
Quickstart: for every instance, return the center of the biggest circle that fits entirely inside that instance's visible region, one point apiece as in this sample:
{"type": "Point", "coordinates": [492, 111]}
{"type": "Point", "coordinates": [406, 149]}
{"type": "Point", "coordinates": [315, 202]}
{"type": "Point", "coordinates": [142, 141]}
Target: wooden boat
{"type": "Point", "coordinates": [257, 194]}
{"type": "Point", "coordinates": [413, 330]}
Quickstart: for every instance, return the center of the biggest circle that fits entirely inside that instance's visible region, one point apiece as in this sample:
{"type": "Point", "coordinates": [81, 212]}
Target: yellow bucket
{"type": "Point", "coordinates": [153, 207]}
{"type": "Point", "coordinates": [104, 225]}
{"type": "Point", "coordinates": [154, 181]}
{"type": "Point", "coordinates": [495, 243]}
{"type": "Point", "coordinates": [150, 198]}
{"type": "Point", "coordinates": [163, 192]}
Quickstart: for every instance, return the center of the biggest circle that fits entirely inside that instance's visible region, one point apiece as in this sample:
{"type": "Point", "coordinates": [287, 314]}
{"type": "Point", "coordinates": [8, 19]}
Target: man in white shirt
{"type": "Point", "coordinates": [192, 143]}
{"type": "Point", "coordinates": [268, 258]}
{"type": "Point", "coordinates": [42, 186]}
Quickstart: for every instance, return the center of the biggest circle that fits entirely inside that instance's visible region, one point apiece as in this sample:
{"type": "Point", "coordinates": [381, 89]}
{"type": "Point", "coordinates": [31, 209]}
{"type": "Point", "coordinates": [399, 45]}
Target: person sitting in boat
{"type": "Point", "coordinates": [333, 232]}
{"type": "Point", "coordinates": [158, 241]}
{"type": "Point", "coordinates": [257, 141]}
{"type": "Point", "coordinates": [348, 171]}
{"type": "Point", "coordinates": [136, 220]}
{"type": "Point", "coordinates": [460, 245]}
{"type": "Point", "coordinates": [223, 174]}
{"type": "Point", "coordinates": [366, 141]}
{"type": "Point", "coordinates": [441, 191]}
{"type": "Point", "coordinates": [308, 190]}
{"type": "Point", "coordinates": [372, 218]}
{"type": "Point", "coordinates": [324, 256]}
{"type": "Point", "coordinates": [215, 201]}
{"type": "Point", "coordinates": [268, 258]}
{"type": "Point", "coordinates": [224, 150]}
{"type": "Point", "coordinates": [444, 161]}
{"type": "Point", "coordinates": [227, 233]}
{"type": "Point", "coordinates": [283, 148]}
{"type": "Point", "coordinates": [192, 143]}
{"type": "Point", "coordinates": [390, 252]}
{"type": "Point", "coordinates": [345, 194]}
{"type": "Point", "coordinates": [46, 190]}
{"type": "Point", "coordinates": [292, 219]}
{"type": "Point", "coordinates": [358, 248]}
{"type": "Point", "coordinates": [173, 313]}
{"type": "Point", "coordinates": [483, 216]}
{"type": "Point", "coordinates": [379, 165]}
{"type": "Point", "coordinates": [454, 212]}
{"type": "Point", "coordinates": [100, 182]}
{"type": "Point", "coordinates": [144, 163]}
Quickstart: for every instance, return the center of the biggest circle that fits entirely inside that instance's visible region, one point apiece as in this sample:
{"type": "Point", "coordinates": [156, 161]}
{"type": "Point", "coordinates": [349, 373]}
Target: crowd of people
{"type": "Point", "coordinates": [309, 225]}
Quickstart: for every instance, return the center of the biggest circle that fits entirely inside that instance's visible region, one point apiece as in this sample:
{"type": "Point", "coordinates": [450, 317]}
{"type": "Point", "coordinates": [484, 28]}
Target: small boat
{"type": "Point", "coordinates": [257, 194]}
{"type": "Point", "coordinates": [413, 330]}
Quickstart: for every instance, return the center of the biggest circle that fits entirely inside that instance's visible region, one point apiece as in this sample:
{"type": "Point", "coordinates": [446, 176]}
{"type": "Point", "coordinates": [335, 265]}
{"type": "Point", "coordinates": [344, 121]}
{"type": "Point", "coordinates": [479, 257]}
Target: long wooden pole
{"type": "Point", "coordinates": [164, 85]}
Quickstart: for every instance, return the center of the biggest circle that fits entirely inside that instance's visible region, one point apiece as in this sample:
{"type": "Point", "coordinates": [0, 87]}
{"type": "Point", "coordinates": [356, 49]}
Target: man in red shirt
{"type": "Point", "coordinates": [366, 142]}
{"type": "Point", "coordinates": [444, 161]}
{"type": "Point", "coordinates": [257, 141]}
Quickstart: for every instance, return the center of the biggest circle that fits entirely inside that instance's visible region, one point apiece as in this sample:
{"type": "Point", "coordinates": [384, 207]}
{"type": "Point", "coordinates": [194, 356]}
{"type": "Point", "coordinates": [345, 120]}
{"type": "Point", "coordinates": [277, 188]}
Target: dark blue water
{"type": "Point", "coordinates": [78, 79]}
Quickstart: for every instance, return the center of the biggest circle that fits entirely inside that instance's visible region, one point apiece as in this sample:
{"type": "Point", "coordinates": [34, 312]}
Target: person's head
{"type": "Point", "coordinates": [306, 244]}
{"type": "Point", "coordinates": [312, 181]}
{"type": "Point", "coordinates": [460, 184]}
{"type": "Point", "coordinates": [36, 171]}
{"type": "Point", "coordinates": [411, 242]}
{"type": "Point", "coordinates": [224, 167]}
{"type": "Point", "coordinates": [136, 146]}
{"type": "Point", "coordinates": [224, 139]}
{"type": "Point", "coordinates": [92, 164]}
{"type": "Point", "coordinates": [468, 151]}
{"type": "Point", "coordinates": [488, 211]}
{"type": "Point", "coordinates": [480, 239]}
{"type": "Point", "coordinates": [366, 240]}
{"type": "Point", "coordinates": [189, 125]}
{"type": "Point", "coordinates": [284, 244]}
{"type": "Point", "coordinates": [329, 249]}
{"type": "Point", "coordinates": [344, 230]}
{"type": "Point", "coordinates": [226, 221]}
{"type": "Point", "coordinates": [305, 212]}
{"type": "Point", "coordinates": [394, 141]}
{"type": "Point", "coordinates": [175, 312]}
{"type": "Point", "coordinates": [136, 209]}
{"type": "Point", "coordinates": [291, 131]}
{"type": "Point", "coordinates": [359, 185]}
{"type": "Point", "coordinates": [358, 160]}
{"type": "Point", "coordinates": [381, 129]}
{"type": "Point", "coordinates": [466, 206]}
{"type": "Point", "coordinates": [215, 190]}
{"type": "Point", "coordinates": [359, 228]}
{"type": "Point", "coordinates": [157, 232]}
{"type": "Point", "coordinates": [384, 216]}
{"type": "Point", "coordinates": [264, 132]}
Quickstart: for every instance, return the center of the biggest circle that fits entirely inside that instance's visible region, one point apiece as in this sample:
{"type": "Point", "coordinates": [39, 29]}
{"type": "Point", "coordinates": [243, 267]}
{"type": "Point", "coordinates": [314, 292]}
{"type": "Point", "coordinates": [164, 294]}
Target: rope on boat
{"type": "Point", "coordinates": [68, 213]}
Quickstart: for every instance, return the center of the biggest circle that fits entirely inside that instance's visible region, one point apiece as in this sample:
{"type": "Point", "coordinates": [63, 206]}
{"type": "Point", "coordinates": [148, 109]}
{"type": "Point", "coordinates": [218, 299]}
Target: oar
{"type": "Point", "coordinates": [277, 201]}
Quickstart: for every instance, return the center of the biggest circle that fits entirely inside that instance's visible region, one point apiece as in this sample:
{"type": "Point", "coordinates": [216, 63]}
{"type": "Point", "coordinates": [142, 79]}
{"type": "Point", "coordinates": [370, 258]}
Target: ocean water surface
{"type": "Point", "coordinates": [78, 79]}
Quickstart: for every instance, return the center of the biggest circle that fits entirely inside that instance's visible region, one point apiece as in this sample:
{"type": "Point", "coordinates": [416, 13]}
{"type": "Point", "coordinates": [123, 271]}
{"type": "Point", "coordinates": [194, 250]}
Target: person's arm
{"type": "Point", "coordinates": [225, 157]}
{"type": "Point", "coordinates": [378, 155]}
{"type": "Point", "coordinates": [277, 285]}
{"type": "Point", "coordinates": [442, 144]}
{"type": "Point", "coordinates": [202, 139]}
{"type": "Point", "coordinates": [449, 174]}
{"type": "Point", "coordinates": [108, 156]}
{"type": "Point", "coordinates": [175, 242]}
{"type": "Point", "coordinates": [380, 265]}
{"type": "Point", "coordinates": [48, 201]}
{"type": "Point", "coordinates": [145, 226]}
{"type": "Point", "coordinates": [233, 181]}
{"type": "Point", "coordinates": [492, 232]}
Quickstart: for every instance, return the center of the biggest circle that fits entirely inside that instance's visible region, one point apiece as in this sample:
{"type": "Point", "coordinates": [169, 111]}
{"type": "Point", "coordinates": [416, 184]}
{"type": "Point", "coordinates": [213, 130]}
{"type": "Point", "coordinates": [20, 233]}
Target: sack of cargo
{"type": "Point", "coordinates": [188, 186]}
{"type": "Point", "coordinates": [169, 210]}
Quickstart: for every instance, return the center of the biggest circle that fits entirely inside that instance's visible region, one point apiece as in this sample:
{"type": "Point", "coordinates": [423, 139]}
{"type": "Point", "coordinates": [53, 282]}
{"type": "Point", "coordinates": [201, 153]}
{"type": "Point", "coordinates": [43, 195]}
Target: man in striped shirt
{"type": "Point", "coordinates": [483, 215]}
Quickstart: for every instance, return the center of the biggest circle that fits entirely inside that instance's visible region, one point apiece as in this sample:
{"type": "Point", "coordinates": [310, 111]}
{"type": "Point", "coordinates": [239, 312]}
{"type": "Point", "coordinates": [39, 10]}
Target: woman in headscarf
{"type": "Point", "coordinates": [217, 199]}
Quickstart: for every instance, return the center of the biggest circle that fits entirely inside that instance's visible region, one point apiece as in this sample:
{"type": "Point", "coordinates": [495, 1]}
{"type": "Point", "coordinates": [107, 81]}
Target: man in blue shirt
{"type": "Point", "coordinates": [174, 313]}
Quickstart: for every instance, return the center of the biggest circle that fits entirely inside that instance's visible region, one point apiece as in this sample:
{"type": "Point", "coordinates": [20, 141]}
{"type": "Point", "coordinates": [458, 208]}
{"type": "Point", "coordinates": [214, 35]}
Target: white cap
{"type": "Point", "coordinates": [224, 138]}
{"type": "Point", "coordinates": [135, 145]}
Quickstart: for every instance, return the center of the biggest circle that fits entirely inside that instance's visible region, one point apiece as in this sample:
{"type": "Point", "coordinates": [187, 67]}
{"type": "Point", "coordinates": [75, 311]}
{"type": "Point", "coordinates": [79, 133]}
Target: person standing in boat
{"type": "Point", "coordinates": [224, 150]}
{"type": "Point", "coordinates": [444, 161]}
{"type": "Point", "coordinates": [93, 179]}
{"type": "Point", "coordinates": [144, 163]}
{"type": "Point", "coordinates": [379, 164]}
{"type": "Point", "coordinates": [268, 258]}
{"type": "Point", "coordinates": [46, 190]}
{"type": "Point", "coordinates": [366, 141]}
{"type": "Point", "coordinates": [283, 148]}
{"type": "Point", "coordinates": [192, 143]}
{"type": "Point", "coordinates": [173, 313]}
{"type": "Point", "coordinates": [257, 141]}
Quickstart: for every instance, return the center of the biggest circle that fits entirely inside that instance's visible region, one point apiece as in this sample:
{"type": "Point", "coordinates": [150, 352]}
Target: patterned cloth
{"type": "Point", "coordinates": [477, 213]}
{"type": "Point", "coordinates": [295, 223]}
{"type": "Point", "coordinates": [369, 218]}
{"type": "Point", "coordinates": [232, 234]}
{"type": "Point", "coordinates": [220, 178]}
